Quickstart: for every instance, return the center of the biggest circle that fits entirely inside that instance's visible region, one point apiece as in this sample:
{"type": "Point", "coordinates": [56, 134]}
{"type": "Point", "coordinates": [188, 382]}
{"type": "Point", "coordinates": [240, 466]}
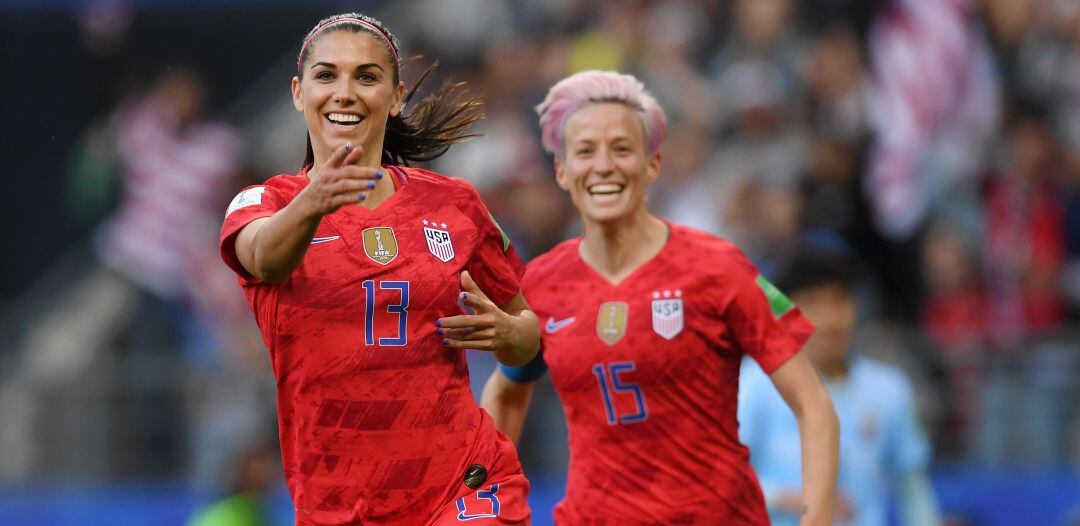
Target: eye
{"type": "Point", "coordinates": [324, 75]}
{"type": "Point", "coordinates": [585, 150]}
{"type": "Point", "coordinates": [367, 77]}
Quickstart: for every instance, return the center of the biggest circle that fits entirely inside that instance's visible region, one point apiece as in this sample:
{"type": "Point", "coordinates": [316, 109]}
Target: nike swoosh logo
{"type": "Point", "coordinates": [318, 240]}
{"type": "Point", "coordinates": [555, 326]}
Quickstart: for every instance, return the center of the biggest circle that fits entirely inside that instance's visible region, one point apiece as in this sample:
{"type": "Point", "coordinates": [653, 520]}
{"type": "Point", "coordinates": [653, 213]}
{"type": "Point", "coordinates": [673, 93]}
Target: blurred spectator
{"type": "Point", "coordinates": [883, 450]}
{"type": "Point", "coordinates": [935, 96]}
{"type": "Point", "coordinates": [1024, 247]}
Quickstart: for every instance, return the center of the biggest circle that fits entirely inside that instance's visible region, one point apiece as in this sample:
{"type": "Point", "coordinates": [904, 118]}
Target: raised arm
{"type": "Point", "coordinates": [819, 435]}
{"type": "Point", "coordinates": [270, 248]}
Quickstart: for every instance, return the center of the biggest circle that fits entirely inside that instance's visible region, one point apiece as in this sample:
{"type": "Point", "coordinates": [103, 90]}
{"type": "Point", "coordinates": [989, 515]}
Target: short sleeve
{"type": "Point", "coordinates": [495, 265]}
{"type": "Point", "coordinates": [251, 203]}
{"type": "Point", "coordinates": [762, 322]}
{"type": "Point", "coordinates": [907, 446]}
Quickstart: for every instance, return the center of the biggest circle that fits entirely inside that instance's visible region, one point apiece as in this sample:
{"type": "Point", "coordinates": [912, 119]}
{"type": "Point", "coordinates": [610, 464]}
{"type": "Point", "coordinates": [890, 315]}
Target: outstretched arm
{"type": "Point", "coordinates": [507, 402]}
{"type": "Point", "coordinates": [511, 331]}
{"type": "Point", "coordinates": [819, 435]}
{"type": "Point", "coordinates": [270, 248]}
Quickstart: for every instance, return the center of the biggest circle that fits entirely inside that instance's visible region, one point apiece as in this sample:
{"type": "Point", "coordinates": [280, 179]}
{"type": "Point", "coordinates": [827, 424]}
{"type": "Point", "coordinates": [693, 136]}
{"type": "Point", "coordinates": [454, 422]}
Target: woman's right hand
{"type": "Point", "coordinates": [338, 182]}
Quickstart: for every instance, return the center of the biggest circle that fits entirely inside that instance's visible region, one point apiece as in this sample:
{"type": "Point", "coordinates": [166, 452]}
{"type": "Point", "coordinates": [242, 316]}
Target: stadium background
{"type": "Point", "coordinates": [938, 139]}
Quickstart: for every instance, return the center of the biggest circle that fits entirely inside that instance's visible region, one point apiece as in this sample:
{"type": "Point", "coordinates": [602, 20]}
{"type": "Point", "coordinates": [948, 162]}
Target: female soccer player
{"type": "Point", "coordinates": [646, 323]}
{"type": "Point", "coordinates": [352, 268]}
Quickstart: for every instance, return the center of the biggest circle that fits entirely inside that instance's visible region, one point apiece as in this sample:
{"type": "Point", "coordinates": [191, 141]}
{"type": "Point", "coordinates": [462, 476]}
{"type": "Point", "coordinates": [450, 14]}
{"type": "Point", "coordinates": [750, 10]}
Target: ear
{"type": "Point", "coordinates": [399, 100]}
{"type": "Point", "coordinates": [560, 176]}
{"type": "Point", "coordinates": [652, 169]}
{"type": "Point", "coordinates": [297, 97]}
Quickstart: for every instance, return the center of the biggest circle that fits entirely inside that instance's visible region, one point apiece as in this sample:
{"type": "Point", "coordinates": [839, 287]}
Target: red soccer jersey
{"type": "Point", "coordinates": [376, 418]}
{"type": "Point", "coordinates": [648, 374]}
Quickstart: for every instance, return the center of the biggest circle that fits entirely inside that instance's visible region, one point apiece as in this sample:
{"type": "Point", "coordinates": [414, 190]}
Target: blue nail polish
{"type": "Point", "coordinates": [438, 323]}
{"type": "Point", "coordinates": [378, 175]}
{"type": "Point", "coordinates": [464, 296]}
{"type": "Point", "coordinates": [361, 198]}
{"type": "Point", "coordinates": [346, 147]}
{"type": "Point", "coordinates": [371, 185]}
{"type": "Point", "coordinates": [438, 331]}
{"type": "Point", "coordinates": [446, 342]}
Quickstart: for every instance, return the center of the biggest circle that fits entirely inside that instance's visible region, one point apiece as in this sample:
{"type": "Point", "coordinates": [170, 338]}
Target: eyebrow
{"type": "Point", "coordinates": [334, 66]}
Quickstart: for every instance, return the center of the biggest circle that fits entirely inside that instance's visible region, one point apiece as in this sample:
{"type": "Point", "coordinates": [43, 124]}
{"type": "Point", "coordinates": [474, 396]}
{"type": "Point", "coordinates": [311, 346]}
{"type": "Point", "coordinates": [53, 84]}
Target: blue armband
{"type": "Point", "coordinates": [529, 372]}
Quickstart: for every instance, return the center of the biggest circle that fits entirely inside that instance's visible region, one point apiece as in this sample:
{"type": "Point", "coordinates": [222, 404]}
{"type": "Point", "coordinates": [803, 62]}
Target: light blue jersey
{"type": "Point", "coordinates": [880, 438]}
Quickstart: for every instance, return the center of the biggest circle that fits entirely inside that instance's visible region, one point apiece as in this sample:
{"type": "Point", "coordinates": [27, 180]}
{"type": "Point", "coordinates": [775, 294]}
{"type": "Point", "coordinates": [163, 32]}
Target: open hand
{"type": "Point", "coordinates": [338, 182]}
{"type": "Point", "coordinates": [486, 328]}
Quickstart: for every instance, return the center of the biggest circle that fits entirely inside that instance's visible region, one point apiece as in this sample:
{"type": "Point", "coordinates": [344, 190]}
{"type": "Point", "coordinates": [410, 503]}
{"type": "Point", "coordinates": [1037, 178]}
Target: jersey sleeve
{"type": "Point", "coordinates": [495, 265]}
{"type": "Point", "coordinates": [761, 320]}
{"type": "Point", "coordinates": [251, 203]}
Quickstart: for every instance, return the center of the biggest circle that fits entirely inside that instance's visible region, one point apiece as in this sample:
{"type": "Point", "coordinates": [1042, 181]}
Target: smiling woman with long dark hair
{"type": "Point", "coordinates": [355, 268]}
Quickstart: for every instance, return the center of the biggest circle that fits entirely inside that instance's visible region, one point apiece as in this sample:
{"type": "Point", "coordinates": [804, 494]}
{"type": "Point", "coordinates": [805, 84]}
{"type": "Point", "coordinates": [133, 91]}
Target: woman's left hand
{"type": "Point", "coordinates": [489, 328]}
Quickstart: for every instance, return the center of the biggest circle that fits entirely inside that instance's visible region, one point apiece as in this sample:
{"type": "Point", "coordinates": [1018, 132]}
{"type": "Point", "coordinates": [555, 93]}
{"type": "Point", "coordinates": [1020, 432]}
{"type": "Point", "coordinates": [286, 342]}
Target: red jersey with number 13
{"type": "Point", "coordinates": [377, 420]}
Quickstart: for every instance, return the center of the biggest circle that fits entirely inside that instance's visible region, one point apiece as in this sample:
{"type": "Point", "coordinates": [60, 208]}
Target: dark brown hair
{"type": "Point", "coordinates": [439, 121]}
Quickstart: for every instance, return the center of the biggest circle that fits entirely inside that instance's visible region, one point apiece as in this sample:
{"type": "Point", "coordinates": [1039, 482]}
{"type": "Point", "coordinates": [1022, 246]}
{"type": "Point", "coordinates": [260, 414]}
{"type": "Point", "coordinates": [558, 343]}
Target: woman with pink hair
{"type": "Point", "coordinates": [646, 323]}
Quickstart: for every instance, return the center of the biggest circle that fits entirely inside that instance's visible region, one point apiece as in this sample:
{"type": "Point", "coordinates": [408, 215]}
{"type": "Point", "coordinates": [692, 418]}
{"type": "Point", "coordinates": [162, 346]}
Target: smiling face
{"type": "Point", "coordinates": [347, 92]}
{"type": "Point", "coordinates": [604, 163]}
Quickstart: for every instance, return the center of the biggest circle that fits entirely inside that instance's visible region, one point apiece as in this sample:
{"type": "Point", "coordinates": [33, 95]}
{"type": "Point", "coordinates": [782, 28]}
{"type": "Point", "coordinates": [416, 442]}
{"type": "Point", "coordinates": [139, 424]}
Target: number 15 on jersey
{"type": "Point", "coordinates": [611, 384]}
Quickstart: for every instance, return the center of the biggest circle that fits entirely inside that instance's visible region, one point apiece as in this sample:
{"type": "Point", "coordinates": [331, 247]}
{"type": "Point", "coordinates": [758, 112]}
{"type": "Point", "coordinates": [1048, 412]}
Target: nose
{"type": "Point", "coordinates": [343, 94]}
{"type": "Point", "coordinates": [604, 164]}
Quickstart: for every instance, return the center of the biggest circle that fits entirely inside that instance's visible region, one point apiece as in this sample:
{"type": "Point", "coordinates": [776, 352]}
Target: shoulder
{"type": "Point", "coordinates": [551, 273]}
{"type": "Point", "coordinates": [448, 187]}
{"type": "Point", "coordinates": [287, 185]}
{"type": "Point", "coordinates": [724, 255]}
{"type": "Point", "coordinates": [553, 261]}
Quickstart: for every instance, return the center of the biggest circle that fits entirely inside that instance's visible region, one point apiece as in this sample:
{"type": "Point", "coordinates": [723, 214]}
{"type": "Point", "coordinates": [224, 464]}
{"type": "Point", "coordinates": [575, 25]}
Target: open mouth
{"type": "Point", "coordinates": [605, 189]}
{"type": "Point", "coordinates": [347, 120]}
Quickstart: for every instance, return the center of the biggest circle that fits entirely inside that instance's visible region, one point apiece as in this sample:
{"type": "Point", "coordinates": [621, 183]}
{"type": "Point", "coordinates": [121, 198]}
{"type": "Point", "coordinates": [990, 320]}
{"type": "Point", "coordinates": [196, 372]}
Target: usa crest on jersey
{"type": "Point", "coordinates": [667, 313]}
{"type": "Point", "coordinates": [438, 242]}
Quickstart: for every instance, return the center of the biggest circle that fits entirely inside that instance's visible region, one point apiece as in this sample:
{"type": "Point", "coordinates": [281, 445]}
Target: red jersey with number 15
{"type": "Point", "coordinates": [378, 424]}
{"type": "Point", "coordinates": [648, 372]}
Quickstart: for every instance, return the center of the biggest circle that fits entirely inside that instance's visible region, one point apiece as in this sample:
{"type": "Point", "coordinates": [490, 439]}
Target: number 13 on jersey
{"type": "Point", "coordinates": [611, 384]}
{"type": "Point", "coordinates": [401, 308]}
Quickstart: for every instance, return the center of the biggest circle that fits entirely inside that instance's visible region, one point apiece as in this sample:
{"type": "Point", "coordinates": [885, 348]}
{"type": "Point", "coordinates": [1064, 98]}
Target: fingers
{"type": "Point", "coordinates": [480, 345]}
{"type": "Point", "coordinates": [463, 321]}
{"type": "Point", "coordinates": [353, 154]}
{"type": "Point", "coordinates": [467, 283]}
{"type": "Point", "coordinates": [338, 156]}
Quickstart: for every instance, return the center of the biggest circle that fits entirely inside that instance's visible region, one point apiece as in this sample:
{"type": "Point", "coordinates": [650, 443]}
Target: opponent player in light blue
{"type": "Point", "coordinates": [883, 451]}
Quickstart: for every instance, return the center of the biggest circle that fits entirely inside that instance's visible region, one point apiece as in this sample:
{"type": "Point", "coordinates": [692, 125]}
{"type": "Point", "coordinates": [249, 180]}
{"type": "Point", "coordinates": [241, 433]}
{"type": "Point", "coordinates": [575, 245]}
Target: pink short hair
{"type": "Point", "coordinates": [593, 87]}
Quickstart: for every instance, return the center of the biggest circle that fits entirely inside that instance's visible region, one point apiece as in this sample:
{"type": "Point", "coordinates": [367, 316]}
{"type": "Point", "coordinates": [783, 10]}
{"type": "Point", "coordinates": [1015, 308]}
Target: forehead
{"type": "Point", "coordinates": [342, 46]}
{"type": "Point", "coordinates": [607, 120]}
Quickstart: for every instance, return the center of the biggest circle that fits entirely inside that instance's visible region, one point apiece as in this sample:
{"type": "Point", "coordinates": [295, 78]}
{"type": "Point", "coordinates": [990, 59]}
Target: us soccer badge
{"type": "Point", "coordinates": [438, 241]}
{"type": "Point", "coordinates": [380, 244]}
{"type": "Point", "coordinates": [667, 313]}
{"type": "Point", "coordinates": [611, 322]}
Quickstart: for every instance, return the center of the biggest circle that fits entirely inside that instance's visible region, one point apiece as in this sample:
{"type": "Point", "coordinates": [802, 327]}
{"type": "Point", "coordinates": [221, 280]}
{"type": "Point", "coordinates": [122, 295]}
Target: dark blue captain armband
{"type": "Point", "coordinates": [529, 372]}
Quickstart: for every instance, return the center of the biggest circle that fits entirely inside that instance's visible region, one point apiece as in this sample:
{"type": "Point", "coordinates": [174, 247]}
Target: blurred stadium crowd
{"type": "Point", "coordinates": [937, 141]}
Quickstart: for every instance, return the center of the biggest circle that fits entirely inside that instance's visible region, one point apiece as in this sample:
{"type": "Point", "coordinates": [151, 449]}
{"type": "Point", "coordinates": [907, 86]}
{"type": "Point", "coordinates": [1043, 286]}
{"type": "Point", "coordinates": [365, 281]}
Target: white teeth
{"type": "Point", "coordinates": [605, 188]}
{"type": "Point", "coordinates": [342, 118]}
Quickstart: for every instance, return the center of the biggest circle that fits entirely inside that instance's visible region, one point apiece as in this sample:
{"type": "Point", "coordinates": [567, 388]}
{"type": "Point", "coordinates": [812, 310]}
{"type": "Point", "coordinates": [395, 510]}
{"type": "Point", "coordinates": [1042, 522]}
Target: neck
{"type": "Point", "coordinates": [615, 249]}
